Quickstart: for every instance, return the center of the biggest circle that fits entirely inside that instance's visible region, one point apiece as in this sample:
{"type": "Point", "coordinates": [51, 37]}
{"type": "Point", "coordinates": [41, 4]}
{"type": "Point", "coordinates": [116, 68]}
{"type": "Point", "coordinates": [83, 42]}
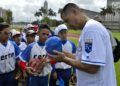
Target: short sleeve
{"type": "Point", "coordinates": [17, 49]}
{"type": "Point", "coordinates": [25, 55]}
{"type": "Point", "coordinates": [93, 49]}
{"type": "Point", "coordinates": [73, 47]}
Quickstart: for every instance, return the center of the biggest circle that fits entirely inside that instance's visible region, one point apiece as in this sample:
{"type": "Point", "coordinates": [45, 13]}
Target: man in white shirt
{"type": "Point", "coordinates": [94, 58]}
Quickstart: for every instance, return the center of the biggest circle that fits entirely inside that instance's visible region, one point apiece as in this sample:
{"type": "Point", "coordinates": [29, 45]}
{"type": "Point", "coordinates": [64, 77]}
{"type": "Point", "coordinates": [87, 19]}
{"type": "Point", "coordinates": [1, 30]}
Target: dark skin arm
{"type": "Point", "coordinates": [92, 69]}
{"type": "Point", "coordinates": [69, 55]}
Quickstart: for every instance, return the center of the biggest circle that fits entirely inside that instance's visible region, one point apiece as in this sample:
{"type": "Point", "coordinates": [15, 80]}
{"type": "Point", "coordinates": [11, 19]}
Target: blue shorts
{"type": "Point", "coordinates": [7, 79]}
{"type": "Point", "coordinates": [64, 74]}
{"type": "Point", "coordinates": [38, 81]}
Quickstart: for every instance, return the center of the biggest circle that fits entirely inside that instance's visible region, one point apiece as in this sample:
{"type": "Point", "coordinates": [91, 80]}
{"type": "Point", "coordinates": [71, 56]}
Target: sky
{"type": "Point", "coordinates": [23, 10]}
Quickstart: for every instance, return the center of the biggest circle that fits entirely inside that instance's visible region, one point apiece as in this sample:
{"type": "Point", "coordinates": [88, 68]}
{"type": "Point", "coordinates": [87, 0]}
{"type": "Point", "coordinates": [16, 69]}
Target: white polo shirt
{"type": "Point", "coordinates": [95, 49]}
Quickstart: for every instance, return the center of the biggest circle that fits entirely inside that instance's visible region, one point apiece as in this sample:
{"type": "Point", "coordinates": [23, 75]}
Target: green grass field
{"type": "Point", "coordinates": [74, 31]}
{"type": "Point", "coordinates": [117, 65]}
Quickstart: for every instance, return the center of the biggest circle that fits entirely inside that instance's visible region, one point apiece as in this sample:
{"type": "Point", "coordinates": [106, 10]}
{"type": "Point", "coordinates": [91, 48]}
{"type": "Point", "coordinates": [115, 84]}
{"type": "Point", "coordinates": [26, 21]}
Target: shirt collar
{"type": "Point", "coordinates": [64, 41]}
{"type": "Point", "coordinates": [41, 43]}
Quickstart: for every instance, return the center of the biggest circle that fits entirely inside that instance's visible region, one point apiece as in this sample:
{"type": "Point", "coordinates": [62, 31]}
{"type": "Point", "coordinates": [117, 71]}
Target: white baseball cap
{"type": "Point", "coordinates": [59, 28]}
{"type": "Point", "coordinates": [14, 32]}
{"type": "Point", "coordinates": [28, 26]}
{"type": "Point", "coordinates": [30, 32]}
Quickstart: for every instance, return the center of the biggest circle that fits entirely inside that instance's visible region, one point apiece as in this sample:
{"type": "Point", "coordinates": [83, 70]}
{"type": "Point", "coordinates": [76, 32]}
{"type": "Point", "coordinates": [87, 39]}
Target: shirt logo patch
{"type": "Point", "coordinates": [88, 46]}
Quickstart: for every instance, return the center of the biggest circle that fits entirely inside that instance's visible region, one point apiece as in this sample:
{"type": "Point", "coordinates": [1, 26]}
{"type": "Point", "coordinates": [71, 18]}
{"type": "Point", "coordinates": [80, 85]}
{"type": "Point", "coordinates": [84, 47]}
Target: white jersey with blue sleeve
{"type": "Point", "coordinates": [36, 50]}
{"type": "Point", "coordinates": [95, 49]}
{"type": "Point", "coordinates": [8, 54]}
{"type": "Point", "coordinates": [70, 47]}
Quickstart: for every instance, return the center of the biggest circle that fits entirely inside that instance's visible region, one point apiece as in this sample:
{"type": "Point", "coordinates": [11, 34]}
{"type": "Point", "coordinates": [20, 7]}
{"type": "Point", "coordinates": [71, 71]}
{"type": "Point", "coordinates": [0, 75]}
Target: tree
{"type": "Point", "coordinates": [37, 14]}
{"type": "Point", "coordinates": [45, 13]}
{"type": "Point", "coordinates": [51, 12]}
{"type": "Point", "coordinates": [103, 12]}
{"type": "Point", "coordinates": [108, 10]}
{"type": "Point", "coordinates": [9, 17]}
{"type": "Point", "coordinates": [35, 22]}
{"type": "Point", "coordinates": [46, 20]}
{"type": "Point", "coordinates": [60, 10]}
{"type": "Point", "coordinates": [40, 12]}
{"type": "Point", "coordinates": [1, 20]}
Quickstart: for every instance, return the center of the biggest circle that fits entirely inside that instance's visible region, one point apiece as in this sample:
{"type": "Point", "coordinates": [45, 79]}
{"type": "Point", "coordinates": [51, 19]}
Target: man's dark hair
{"type": "Point", "coordinates": [3, 26]}
{"type": "Point", "coordinates": [44, 26]}
{"type": "Point", "coordinates": [69, 7]}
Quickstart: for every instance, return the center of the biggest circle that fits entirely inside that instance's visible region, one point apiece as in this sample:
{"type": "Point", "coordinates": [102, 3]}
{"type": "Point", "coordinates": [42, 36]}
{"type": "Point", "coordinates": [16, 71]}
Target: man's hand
{"type": "Point", "coordinates": [69, 55]}
{"type": "Point", "coordinates": [59, 57]}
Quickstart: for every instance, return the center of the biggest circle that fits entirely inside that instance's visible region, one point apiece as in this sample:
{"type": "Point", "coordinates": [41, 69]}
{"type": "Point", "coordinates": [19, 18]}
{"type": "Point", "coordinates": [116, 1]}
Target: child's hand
{"type": "Point", "coordinates": [35, 66]}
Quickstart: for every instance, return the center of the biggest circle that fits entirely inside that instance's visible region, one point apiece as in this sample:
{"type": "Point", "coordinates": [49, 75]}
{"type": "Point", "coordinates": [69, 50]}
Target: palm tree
{"type": "Point", "coordinates": [37, 14]}
{"type": "Point", "coordinates": [103, 13]}
{"type": "Point", "coordinates": [60, 10]}
{"type": "Point", "coordinates": [51, 12]}
{"type": "Point", "coordinates": [108, 10]}
{"type": "Point", "coordinates": [44, 11]}
{"type": "Point", "coordinates": [40, 12]}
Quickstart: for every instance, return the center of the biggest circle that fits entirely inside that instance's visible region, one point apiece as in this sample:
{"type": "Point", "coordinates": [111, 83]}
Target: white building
{"type": "Point", "coordinates": [46, 8]}
{"type": "Point", "coordinates": [116, 6]}
{"type": "Point", "coordinates": [2, 12]}
{"type": "Point", "coordinates": [110, 2]}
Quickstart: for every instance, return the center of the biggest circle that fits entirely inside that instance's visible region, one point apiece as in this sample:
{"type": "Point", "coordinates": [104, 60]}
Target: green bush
{"type": "Point", "coordinates": [1, 20]}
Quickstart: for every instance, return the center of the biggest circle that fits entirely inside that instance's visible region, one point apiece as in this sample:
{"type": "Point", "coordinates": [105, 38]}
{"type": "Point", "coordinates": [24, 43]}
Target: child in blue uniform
{"type": "Point", "coordinates": [37, 50]}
